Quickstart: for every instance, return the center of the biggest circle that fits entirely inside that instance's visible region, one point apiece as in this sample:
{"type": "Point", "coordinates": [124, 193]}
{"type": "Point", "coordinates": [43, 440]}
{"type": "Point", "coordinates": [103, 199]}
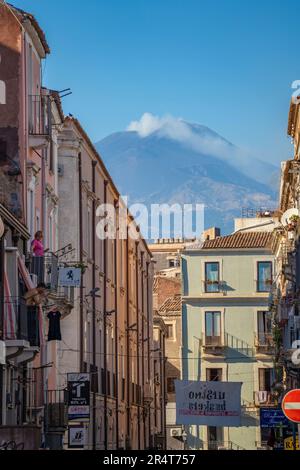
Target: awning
{"type": "Point", "coordinates": [9, 219]}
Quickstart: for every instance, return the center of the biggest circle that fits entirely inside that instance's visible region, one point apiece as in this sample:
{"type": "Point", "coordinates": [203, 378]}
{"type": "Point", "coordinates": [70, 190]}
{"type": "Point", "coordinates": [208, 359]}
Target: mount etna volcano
{"type": "Point", "coordinates": [169, 160]}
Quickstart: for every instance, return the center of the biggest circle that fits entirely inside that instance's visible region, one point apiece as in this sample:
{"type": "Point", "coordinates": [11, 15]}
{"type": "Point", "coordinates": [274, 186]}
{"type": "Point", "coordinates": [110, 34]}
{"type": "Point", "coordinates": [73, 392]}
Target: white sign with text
{"type": "Point", "coordinates": [208, 403]}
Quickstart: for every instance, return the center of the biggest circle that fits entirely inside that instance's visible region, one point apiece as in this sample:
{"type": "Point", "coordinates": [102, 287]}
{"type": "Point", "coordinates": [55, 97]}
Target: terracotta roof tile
{"type": "Point", "coordinates": [171, 304]}
{"type": "Point", "coordinates": [241, 240]}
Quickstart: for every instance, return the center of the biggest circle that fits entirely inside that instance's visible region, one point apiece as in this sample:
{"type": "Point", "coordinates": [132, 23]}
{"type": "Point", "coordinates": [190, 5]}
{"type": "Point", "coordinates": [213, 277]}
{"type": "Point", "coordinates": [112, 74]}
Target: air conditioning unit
{"type": "Point", "coordinates": [222, 448]}
{"type": "Point", "coordinates": [176, 432]}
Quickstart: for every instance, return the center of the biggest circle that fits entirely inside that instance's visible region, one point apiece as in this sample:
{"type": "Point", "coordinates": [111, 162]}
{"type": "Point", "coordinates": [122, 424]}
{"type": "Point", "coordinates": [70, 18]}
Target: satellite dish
{"type": "Point", "coordinates": [285, 219]}
{"type": "Point", "coordinates": [1, 228]}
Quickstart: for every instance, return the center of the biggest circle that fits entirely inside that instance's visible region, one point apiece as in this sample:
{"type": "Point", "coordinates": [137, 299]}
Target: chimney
{"type": "Point", "coordinates": [211, 233]}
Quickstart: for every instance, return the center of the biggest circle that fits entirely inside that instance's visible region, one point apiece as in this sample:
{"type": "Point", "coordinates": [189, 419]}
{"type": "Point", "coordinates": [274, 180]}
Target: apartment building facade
{"type": "Point", "coordinates": [30, 116]}
{"type": "Point", "coordinates": [170, 313]}
{"type": "Point", "coordinates": [227, 331]}
{"type": "Point", "coordinates": [53, 180]}
{"type": "Point", "coordinates": [284, 301]}
{"type": "Point", "coordinates": [113, 309]}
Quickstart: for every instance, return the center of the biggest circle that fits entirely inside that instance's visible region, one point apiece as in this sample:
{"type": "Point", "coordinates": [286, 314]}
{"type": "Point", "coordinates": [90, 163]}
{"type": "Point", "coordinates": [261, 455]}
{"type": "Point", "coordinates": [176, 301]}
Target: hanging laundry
{"type": "Point", "coordinates": [54, 333]}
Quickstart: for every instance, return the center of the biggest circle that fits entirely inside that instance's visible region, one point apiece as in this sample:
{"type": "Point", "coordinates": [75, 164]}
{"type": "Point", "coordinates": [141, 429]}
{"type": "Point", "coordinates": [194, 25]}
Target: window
{"type": "Point", "coordinates": [264, 327]}
{"type": "Point", "coordinates": [214, 437]}
{"type": "Point", "coordinates": [214, 375]}
{"type": "Point", "coordinates": [170, 331]}
{"type": "Point", "coordinates": [212, 277]}
{"type": "Point", "coordinates": [264, 276]}
{"type": "Point", "coordinates": [265, 377]}
{"type": "Point", "coordinates": [213, 328]}
{"type": "Point", "coordinates": [171, 384]}
{"type": "Point", "coordinates": [174, 263]}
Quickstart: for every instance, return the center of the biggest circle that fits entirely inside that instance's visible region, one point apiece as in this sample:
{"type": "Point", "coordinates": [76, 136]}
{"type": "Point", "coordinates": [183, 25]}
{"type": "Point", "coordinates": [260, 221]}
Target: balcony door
{"type": "Point", "coordinates": [213, 329]}
{"type": "Point", "coordinates": [265, 379]}
{"type": "Point", "coordinates": [264, 326]}
{"type": "Point", "coordinates": [214, 437]}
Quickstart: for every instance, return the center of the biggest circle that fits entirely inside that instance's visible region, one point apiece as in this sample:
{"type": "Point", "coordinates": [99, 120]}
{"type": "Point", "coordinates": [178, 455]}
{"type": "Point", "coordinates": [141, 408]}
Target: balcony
{"type": "Point", "coordinates": [44, 269]}
{"type": "Point", "coordinates": [56, 410]}
{"type": "Point", "coordinates": [213, 345]}
{"type": "Point", "coordinates": [21, 330]}
{"type": "Point", "coordinates": [64, 298]}
{"type": "Point", "coordinates": [239, 345]}
{"type": "Point", "coordinates": [213, 287]}
{"type": "Point", "coordinates": [264, 398]}
{"type": "Point", "coordinates": [264, 343]}
{"type": "Point", "coordinates": [10, 188]}
{"type": "Point", "coordinates": [221, 445]}
{"type": "Point", "coordinates": [39, 111]}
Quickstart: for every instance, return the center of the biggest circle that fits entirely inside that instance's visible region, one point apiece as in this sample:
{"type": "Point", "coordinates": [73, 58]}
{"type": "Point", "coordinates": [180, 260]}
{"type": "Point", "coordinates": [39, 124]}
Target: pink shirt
{"type": "Point", "coordinates": [37, 248]}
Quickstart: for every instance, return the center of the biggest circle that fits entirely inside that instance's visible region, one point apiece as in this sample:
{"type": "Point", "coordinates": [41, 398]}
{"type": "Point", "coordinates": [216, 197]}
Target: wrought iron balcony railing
{"type": "Point", "coordinates": [45, 268]}
{"type": "Point", "coordinates": [211, 287]}
{"type": "Point", "coordinates": [264, 341]}
{"type": "Point", "coordinates": [221, 445]}
{"type": "Point", "coordinates": [56, 410]}
{"type": "Point", "coordinates": [264, 397]}
{"type": "Point", "coordinates": [39, 111]}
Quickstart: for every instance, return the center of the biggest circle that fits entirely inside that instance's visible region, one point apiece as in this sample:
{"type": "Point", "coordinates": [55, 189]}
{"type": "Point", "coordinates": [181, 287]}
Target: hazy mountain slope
{"type": "Point", "coordinates": [188, 163]}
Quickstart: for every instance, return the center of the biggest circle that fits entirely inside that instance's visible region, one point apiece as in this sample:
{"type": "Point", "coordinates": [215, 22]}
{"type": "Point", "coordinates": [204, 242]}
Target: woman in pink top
{"type": "Point", "coordinates": [37, 244]}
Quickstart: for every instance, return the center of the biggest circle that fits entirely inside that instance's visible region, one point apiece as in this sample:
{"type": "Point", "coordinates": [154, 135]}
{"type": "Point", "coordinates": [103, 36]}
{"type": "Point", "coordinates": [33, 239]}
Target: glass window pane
{"type": "Point", "coordinates": [212, 277]}
{"type": "Point", "coordinates": [217, 324]}
{"type": "Point", "coordinates": [208, 324]}
{"type": "Point", "coordinates": [264, 277]}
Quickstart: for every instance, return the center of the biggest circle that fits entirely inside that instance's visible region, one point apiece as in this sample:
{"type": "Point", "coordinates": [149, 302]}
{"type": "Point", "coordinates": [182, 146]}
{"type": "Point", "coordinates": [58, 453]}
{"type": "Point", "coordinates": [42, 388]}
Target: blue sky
{"type": "Point", "coordinates": [228, 64]}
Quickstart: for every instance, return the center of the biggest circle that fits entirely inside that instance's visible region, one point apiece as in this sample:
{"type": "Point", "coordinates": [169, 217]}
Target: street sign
{"type": "Point", "coordinates": [291, 405]}
{"type": "Point", "coordinates": [273, 418]}
{"type": "Point", "coordinates": [69, 277]}
{"type": "Point", "coordinates": [76, 437]}
{"type": "Point", "coordinates": [289, 443]}
{"type": "Point", "coordinates": [78, 397]}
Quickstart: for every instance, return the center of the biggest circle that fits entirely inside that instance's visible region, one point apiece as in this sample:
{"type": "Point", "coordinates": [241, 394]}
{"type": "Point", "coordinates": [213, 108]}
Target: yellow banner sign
{"type": "Point", "coordinates": [289, 443]}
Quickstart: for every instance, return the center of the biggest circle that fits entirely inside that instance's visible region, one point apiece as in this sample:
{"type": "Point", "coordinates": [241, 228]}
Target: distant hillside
{"type": "Point", "coordinates": [166, 160]}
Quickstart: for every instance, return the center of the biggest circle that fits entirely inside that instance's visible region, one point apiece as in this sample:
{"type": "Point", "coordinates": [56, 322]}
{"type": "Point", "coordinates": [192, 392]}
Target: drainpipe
{"type": "Point", "coordinates": [105, 326]}
{"type": "Point", "coordinates": [137, 339]}
{"type": "Point", "coordinates": [127, 336]}
{"type": "Point", "coordinates": [116, 333]}
{"type": "Point", "coordinates": [81, 344]}
{"type": "Point", "coordinates": [1, 321]}
{"type": "Point", "coordinates": [143, 350]}
{"type": "Point", "coordinates": [165, 393]}
{"type": "Point", "coordinates": [161, 383]}
{"type": "Point", "coordinates": [148, 353]}
{"type": "Point", "coordinates": [94, 378]}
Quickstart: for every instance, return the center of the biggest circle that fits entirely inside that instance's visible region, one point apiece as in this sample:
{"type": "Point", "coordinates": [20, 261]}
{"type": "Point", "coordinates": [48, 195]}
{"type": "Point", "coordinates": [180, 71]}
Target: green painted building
{"type": "Point", "coordinates": [226, 330]}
